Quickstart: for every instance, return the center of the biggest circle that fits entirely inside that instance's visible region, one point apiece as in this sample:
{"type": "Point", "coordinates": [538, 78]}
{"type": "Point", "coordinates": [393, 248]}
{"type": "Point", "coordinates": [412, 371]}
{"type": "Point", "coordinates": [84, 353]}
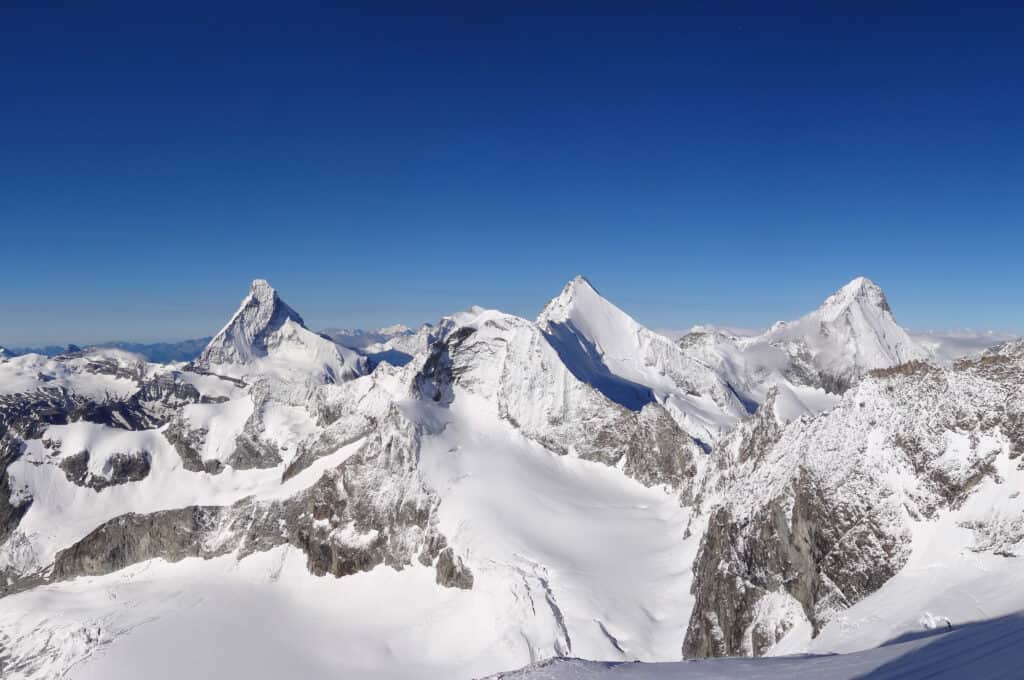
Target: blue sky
{"type": "Point", "coordinates": [697, 165]}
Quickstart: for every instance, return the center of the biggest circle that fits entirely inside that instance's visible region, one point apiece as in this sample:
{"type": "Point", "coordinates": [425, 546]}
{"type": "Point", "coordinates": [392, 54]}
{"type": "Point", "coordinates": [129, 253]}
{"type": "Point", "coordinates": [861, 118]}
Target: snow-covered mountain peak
{"type": "Point", "coordinates": [244, 338]}
{"type": "Point", "coordinates": [632, 365]}
{"type": "Point", "coordinates": [851, 333]}
{"type": "Point", "coordinates": [577, 298]}
{"type": "Point", "coordinates": [265, 334]}
{"type": "Point", "coordinates": [860, 291]}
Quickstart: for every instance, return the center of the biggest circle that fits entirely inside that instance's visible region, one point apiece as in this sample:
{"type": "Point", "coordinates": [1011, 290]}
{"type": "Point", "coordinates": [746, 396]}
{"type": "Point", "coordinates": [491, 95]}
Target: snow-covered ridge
{"type": "Point", "coordinates": [633, 366]}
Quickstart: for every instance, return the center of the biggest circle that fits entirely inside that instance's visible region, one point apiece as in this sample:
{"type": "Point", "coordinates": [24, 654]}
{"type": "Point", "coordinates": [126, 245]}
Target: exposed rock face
{"type": "Point", "coordinates": [188, 442]}
{"type": "Point", "coordinates": [119, 468]}
{"type": "Point", "coordinates": [372, 509]}
{"type": "Point", "coordinates": [817, 515]}
{"type": "Point", "coordinates": [28, 415]}
{"type": "Point", "coordinates": [11, 512]}
{"type": "Point", "coordinates": [128, 539]}
{"type": "Point", "coordinates": [760, 433]}
{"type": "Point", "coordinates": [451, 572]}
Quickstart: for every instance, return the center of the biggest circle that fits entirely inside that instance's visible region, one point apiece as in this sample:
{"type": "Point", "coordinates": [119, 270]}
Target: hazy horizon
{"type": "Point", "coordinates": [669, 330]}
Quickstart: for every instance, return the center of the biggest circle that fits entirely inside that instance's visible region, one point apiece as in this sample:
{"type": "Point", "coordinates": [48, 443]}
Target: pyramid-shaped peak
{"type": "Point", "coordinates": [263, 304]}
{"type": "Point", "coordinates": [244, 337]}
{"type": "Point", "coordinates": [859, 290]}
{"type": "Point", "coordinates": [579, 290]}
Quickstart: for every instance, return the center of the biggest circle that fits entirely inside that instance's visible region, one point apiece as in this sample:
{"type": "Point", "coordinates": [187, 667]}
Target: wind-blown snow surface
{"type": "Point", "coordinates": [509, 492]}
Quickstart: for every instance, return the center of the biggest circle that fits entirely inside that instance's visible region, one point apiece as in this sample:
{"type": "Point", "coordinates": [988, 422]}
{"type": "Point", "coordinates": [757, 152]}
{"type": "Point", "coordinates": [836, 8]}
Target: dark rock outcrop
{"type": "Point", "coordinates": [172, 535]}
{"type": "Point", "coordinates": [119, 468]}
{"type": "Point", "coordinates": [372, 509]}
{"type": "Point", "coordinates": [451, 572]}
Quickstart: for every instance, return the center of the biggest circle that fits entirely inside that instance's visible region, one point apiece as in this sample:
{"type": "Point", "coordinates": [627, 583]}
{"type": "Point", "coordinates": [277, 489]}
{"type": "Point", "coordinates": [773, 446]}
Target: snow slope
{"type": "Point", "coordinates": [987, 649]}
{"type": "Point", "coordinates": [631, 365]}
{"type": "Point", "coordinates": [534, 527]}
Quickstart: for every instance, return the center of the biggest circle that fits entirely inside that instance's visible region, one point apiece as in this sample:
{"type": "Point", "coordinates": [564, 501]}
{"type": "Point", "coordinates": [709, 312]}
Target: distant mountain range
{"type": "Point", "coordinates": [187, 350]}
{"type": "Point", "coordinates": [159, 352]}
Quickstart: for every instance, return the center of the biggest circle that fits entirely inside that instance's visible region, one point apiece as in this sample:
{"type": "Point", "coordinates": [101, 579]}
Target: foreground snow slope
{"type": "Point", "coordinates": [988, 649]}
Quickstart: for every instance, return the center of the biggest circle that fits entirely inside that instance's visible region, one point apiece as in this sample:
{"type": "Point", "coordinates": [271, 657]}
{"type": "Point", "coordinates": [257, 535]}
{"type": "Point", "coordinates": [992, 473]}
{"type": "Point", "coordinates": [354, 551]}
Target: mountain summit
{"type": "Point", "coordinates": [266, 335]}
{"type": "Point", "coordinates": [261, 314]}
{"type": "Point", "coordinates": [853, 332]}
{"type": "Point", "coordinates": [860, 290]}
{"type": "Point", "coordinates": [577, 295]}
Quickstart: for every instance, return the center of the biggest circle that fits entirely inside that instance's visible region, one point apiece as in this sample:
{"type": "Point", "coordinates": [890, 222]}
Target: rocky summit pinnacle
{"type": "Point", "coordinates": [244, 337]}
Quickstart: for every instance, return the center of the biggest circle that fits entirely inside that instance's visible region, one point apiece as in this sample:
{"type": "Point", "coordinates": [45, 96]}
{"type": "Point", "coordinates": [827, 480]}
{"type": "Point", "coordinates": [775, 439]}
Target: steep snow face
{"type": "Point", "coordinates": [266, 336]}
{"type": "Point", "coordinates": [506, 361]}
{"type": "Point", "coordinates": [852, 333]}
{"type": "Point", "coordinates": [633, 366]}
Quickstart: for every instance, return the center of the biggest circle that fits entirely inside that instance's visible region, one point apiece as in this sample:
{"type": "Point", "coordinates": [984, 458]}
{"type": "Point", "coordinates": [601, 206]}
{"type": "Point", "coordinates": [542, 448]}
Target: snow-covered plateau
{"type": "Point", "coordinates": [575, 496]}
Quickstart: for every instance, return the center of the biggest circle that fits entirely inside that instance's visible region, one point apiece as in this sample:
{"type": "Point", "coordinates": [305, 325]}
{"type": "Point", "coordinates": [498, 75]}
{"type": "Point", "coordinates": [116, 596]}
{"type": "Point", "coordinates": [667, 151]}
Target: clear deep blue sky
{"type": "Point", "coordinates": [722, 163]}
